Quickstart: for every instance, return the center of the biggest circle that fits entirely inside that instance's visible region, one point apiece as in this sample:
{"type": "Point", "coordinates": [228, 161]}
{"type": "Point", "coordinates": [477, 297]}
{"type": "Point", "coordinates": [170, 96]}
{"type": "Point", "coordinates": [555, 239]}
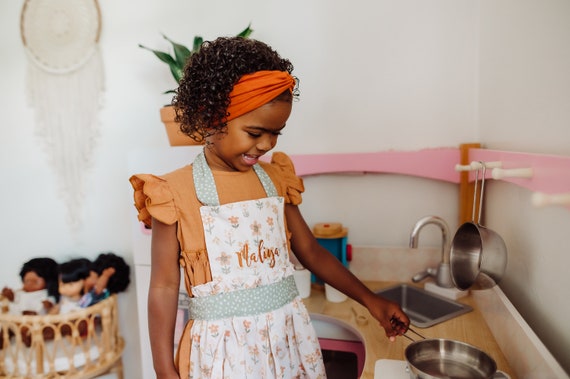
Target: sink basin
{"type": "Point", "coordinates": [424, 308]}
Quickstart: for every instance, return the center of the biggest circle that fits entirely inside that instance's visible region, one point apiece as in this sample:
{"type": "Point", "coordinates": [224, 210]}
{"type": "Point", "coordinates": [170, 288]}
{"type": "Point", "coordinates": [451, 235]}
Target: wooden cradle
{"type": "Point", "coordinates": [80, 344]}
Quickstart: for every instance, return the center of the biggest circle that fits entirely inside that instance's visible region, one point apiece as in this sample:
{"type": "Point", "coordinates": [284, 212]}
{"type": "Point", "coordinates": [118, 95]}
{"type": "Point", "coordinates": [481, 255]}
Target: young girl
{"type": "Point", "coordinates": [229, 220]}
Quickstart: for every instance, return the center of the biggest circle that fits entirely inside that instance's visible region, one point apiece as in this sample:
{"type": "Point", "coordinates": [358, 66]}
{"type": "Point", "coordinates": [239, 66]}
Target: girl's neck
{"type": "Point", "coordinates": [217, 164]}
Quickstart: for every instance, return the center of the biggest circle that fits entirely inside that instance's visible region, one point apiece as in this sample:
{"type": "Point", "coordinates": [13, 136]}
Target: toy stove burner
{"type": "Point", "coordinates": [390, 369]}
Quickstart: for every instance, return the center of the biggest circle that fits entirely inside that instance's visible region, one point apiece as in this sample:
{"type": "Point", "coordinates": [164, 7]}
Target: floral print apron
{"type": "Point", "coordinates": [249, 321]}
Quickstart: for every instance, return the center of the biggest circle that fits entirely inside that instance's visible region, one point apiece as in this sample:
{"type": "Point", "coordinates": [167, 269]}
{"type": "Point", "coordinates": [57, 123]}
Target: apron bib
{"type": "Point", "coordinates": [249, 321]}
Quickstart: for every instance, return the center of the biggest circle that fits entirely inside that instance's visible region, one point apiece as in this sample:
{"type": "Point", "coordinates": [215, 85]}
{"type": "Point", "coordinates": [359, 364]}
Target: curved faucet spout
{"type": "Point", "coordinates": [442, 274]}
{"type": "Point", "coordinates": [415, 234]}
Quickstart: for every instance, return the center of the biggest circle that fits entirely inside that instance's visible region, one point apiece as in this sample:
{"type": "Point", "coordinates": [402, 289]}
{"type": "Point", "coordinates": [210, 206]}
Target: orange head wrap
{"type": "Point", "coordinates": [254, 90]}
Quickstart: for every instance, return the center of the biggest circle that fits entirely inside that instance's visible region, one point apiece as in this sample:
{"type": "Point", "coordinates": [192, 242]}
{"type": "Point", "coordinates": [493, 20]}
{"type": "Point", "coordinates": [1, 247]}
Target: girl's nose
{"type": "Point", "coordinates": [267, 142]}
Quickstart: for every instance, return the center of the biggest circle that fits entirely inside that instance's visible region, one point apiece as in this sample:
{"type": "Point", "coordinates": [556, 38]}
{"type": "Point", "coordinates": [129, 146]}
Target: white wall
{"type": "Point", "coordinates": [525, 106]}
{"type": "Point", "coordinates": [381, 75]}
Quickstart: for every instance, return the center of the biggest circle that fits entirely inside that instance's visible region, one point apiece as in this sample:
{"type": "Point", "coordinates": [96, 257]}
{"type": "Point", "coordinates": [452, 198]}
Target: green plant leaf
{"type": "Point", "coordinates": [177, 72]}
{"type": "Point", "coordinates": [196, 44]}
{"type": "Point", "coordinates": [163, 56]}
{"type": "Point", "coordinates": [181, 52]}
{"type": "Point", "coordinates": [246, 32]}
{"type": "Point", "coordinates": [177, 61]}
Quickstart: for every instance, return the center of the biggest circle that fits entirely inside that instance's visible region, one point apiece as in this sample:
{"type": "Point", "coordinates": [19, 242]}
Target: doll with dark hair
{"type": "Point", "coordinates": [72, 277]}
{"type": "Point", "coordinates": [39, 291]}
{"type": "Point", "coordinates": [109, 274]}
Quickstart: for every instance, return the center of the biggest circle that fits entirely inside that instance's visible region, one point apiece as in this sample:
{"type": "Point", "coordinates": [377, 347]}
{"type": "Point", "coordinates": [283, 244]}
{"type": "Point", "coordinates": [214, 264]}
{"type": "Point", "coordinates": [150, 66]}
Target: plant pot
{"type": "Point", "coordinates": [175, 136]}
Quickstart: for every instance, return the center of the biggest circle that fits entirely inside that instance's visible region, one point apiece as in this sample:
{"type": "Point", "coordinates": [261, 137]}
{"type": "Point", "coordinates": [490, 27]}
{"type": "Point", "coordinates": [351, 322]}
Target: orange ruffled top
{"type": "Point", "coordinates": [171, 198]}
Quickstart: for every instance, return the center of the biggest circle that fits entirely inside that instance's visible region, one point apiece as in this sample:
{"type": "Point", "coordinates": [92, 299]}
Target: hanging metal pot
{"type": "Point", "coordinates": [478, 255]}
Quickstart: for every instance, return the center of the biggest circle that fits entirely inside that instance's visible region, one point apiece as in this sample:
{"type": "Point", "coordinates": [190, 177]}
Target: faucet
{"type": "Point", "coordinates": [442, 273]}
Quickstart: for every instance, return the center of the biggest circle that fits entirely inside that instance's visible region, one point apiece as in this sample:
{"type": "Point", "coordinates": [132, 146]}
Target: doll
{"type": "Point", "coordinates": [39, 291]}
{"type": "Point", "coordinates": [72, 277]}
{"type": "Point", "coordinates": [109, 274]}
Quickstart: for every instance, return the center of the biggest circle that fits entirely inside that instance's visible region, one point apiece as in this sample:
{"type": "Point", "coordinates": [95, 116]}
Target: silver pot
{"type": "Point", "coordinates": [443, 358]}
{"type": "Point", "coordinates": [478, 255]}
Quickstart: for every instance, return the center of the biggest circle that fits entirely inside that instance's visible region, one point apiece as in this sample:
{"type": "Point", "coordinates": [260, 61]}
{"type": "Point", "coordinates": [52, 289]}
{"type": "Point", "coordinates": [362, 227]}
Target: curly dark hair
{"type": "Point", "coordinates": [202, 98]}
{"type": "Point", "coordinates": [120, 280]}
{"type": "Point", "coordinates": [47, 269]}
{"type": "Point", "coordinates": [74, 270]}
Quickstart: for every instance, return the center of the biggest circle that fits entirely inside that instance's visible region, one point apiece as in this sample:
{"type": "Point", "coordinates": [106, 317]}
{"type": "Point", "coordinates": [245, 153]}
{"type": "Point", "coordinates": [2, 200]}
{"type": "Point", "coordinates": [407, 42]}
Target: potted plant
{"type": "Point", "coordinates": [176, 61]}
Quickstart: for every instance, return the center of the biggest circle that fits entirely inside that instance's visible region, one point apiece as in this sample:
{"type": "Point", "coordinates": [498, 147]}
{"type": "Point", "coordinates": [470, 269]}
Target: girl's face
{"type": "Point", "coordinates": [247, 138]}
{"type": "Point", "coordinates": [33, 282]}
{"type": "Point", "coordinates": [71, 289]}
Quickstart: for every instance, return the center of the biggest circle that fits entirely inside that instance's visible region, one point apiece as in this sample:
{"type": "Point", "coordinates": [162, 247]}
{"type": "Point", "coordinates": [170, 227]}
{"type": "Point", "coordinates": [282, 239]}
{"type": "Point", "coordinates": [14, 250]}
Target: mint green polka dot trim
{"type": "Point", "coordinates": [265, 181]}
{"type": "Point", "coordinates": [246, 302]}
{"type": "Point", "coordinates": [204, 181]}
{"type": "Point", "coordinates": [206, 187]}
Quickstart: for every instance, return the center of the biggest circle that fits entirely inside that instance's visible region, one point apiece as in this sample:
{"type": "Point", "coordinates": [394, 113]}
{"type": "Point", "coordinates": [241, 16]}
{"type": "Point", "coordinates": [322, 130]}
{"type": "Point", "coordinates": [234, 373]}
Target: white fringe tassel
{"type": "Point", "coordinates": [66, 107]}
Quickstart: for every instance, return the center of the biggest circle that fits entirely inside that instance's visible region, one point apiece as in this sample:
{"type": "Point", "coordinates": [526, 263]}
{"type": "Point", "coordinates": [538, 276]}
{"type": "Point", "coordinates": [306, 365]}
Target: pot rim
{"type": "Point", "coordinates": [412, 347]}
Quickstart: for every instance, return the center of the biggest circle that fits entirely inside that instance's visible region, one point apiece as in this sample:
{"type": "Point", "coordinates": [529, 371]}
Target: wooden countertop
{"type": "Point", "coordinates": [470, 328]}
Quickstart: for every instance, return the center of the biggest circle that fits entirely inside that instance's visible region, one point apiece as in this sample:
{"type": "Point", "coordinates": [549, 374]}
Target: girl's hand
{"type": "Point", "coordinates": [391, 317]}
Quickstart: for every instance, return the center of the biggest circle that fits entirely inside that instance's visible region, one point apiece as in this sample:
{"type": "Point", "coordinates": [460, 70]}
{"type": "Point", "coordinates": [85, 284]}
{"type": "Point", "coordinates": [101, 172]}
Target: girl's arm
{"type": "Point", "coordinates": [328, 268]}
{"type": "Point", "coordinates": [163, 298]}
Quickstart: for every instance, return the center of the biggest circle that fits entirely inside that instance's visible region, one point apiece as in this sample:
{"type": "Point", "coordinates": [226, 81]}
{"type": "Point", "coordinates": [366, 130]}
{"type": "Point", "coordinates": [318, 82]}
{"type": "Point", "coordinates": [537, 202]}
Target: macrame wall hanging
{"type": "Point", "coordinates": [65, 84]}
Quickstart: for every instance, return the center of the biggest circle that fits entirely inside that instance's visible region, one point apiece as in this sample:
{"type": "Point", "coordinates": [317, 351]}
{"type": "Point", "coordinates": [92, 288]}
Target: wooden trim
{"type": "Point", "coordinates": [466, 186]}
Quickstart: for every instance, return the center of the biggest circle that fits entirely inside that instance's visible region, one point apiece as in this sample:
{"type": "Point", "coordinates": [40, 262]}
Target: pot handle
{"type": "Point", "coordinates": [483, 171]}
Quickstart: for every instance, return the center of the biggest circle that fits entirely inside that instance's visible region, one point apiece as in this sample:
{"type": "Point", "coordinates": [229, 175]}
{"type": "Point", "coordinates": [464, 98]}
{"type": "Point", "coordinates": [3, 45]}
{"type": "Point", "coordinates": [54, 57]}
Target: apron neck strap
{"type": "Point", "coordinates": [206, 186]}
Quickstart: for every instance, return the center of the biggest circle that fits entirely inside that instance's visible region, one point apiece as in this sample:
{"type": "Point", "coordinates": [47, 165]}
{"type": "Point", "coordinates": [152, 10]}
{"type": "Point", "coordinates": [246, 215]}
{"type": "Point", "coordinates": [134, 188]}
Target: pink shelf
{"type": "Point", "coordinates": [438, 164]}
{"type": "Point", "coordinates": [551, 173]}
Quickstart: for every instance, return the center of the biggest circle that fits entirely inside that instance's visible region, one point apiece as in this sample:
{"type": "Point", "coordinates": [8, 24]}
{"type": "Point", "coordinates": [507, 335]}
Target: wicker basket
{"type": "Point", "coordinates": [80, 344]}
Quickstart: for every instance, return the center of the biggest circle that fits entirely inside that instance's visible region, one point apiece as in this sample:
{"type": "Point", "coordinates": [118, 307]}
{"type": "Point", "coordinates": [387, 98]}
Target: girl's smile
{"type": "Point", "coordinates": [247, 138]}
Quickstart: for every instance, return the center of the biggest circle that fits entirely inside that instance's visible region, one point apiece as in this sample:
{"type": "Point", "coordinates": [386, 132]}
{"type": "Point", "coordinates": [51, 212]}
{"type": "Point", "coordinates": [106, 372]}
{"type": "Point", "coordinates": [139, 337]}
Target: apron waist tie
{"type": "Point", "coordinates": [245, 302]}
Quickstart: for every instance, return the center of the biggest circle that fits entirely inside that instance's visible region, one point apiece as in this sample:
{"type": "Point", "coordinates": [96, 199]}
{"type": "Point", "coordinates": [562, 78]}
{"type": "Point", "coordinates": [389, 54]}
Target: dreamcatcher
{"type": "Point", "coordinates": [65, 84]}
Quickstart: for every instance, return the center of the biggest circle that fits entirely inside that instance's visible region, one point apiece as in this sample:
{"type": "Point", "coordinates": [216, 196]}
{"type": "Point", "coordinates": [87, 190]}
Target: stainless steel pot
{"type": "Point", "coordinates": [443, 358]}
{"type": "Point", "coordinates": [478, 255]}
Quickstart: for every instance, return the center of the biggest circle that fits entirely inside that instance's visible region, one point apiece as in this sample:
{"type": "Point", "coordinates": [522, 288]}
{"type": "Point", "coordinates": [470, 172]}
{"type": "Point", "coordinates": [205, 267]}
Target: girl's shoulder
{"type": "Point", "coordinates": [180, 173]}
{"type": "Point", "coordinates": [157, 195]}
{"type": "Point", "coordinates": [280, 163]}
{"type": "Point", "coordinates": [281, 170]}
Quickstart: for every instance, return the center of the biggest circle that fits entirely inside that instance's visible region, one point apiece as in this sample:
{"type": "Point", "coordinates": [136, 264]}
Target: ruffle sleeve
{"type": "Point", "coordinates": [292, 186]}
{"type": "Point", "coordinates": [153, 198]}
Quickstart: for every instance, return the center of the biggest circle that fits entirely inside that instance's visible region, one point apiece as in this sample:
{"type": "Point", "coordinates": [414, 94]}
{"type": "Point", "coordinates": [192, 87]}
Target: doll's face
{"type": "Point", "coordinates": [91, 280]}
{"type": "Point", "coordinates": [33, 282]}
{"type": "Point", "coordinates": [71, 289]}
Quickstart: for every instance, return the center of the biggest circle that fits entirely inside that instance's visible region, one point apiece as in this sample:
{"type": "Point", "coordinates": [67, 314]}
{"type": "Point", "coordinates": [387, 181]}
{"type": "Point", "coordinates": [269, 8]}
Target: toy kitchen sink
{"type": "Point", "coordinates": [424, 308]}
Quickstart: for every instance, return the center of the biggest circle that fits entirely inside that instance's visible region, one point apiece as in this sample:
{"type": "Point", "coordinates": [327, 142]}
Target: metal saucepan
{"type": "Point", "coordinates": [440, 358]}
{"type": "Point", "coordinates": [443, 358]}
{"type": "Point", "coordinates": [478, 255]}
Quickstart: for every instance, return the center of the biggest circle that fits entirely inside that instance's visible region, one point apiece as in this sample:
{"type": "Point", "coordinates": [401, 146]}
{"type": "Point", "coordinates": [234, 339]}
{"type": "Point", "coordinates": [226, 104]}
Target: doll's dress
{"type": "Point", "coordinates": [92, 298]}
{"type": "Point", "coordinates": [66, 305]}
{"type": "Point", "coordinates": [251, 341]}
{"type": "Point", "coordinates": [30, 301]}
